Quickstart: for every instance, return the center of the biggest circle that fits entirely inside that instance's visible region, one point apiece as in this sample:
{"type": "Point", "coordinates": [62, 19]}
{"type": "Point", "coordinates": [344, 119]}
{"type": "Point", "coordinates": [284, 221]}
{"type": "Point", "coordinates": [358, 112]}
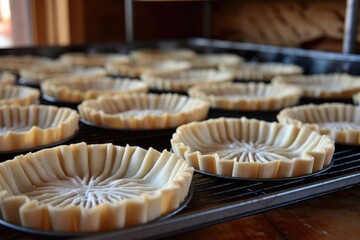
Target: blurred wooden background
{"type": "Point", "coordinates": [315, 24]}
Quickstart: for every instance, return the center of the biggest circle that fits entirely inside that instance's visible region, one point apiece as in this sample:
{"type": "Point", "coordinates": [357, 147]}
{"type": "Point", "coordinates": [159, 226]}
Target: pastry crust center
{"type": "Point", "coordinates": [250, 152]}
{"type": "Point", "coordinates": [340, 126]}
{"type": "Point", "coordinates": [87, 192]}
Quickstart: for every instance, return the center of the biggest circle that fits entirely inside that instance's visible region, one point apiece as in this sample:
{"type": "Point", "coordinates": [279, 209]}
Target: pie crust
{"type": "Point", "coordinates": [75, 89]}
{"type": "Point", "coordinates": [250, 148]}
{"type": "Point", "coordinates": [340, 121]}
{"type": "Point", "coordinates": [87, 188]}
{"type": "Point", "coordinates": [132, 68]}
{"type": "Point", "coordinates": [7, 78]}
{"type": "Point", "coordinates": [247, 96]}
{"type": "Point", "coordinates": [87, 60]}
{"type": "Point", "coordinates": [182, 81]}
{"type": "Point", "coordinates": [356, 98]}
{"type": "Point", "coordinates": [143, 111]}
{"type": "Point", "coordinates": [24, 127]}
{"type": "Point", "coordinates": [262, 71]}
{"type": "Point", "coordinates": [152, 54]}
{"type": "Point", "coordinates": [14, 63]}
{"type": "Point", "coordinates": [215, 60]}
{"type": "Point", "coordinates": [38, 73]}
{"type": "Point", "coordinates": [324, 86]}
{"type": "Point", "coordinates": [18, 95]}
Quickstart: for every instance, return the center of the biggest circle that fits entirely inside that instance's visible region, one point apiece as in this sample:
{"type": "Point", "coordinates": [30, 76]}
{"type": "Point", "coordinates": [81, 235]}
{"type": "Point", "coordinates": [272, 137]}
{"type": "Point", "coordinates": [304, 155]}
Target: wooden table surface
{"type": "Point", "coordinates": [332, 216]}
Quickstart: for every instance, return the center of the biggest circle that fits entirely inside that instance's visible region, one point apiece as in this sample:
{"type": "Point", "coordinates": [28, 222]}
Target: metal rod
{"type": "Point", "coordinates": [129, 21]}
{"type": "Point", "coordinates": [351, 22]}
{"type": "Point", "coordinates": [207, 19]}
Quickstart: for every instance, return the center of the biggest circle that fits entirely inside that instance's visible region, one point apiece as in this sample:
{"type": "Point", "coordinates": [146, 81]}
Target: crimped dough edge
{"type": "Point", "coordinates": [153, 54]}
{"type": "Point", "coordinates": [214, 60]}
{"type": "Point", "coordinates": [44, 125]}
{"type": "Point", "coordinates": [79, 59]}
{"type": "Point", "coordinates": [263, 97]}
{"type": "Point", "coordinates": [262, 71]}
{"type": "Point", "coordinates": [75, 89]}
{"type": "Point", "coordinates": [313, 151]}
{"type": "Point", "coordinates": [7, 78]}
{"type": "Point", "coordinates": [182, 81]}
{"type": "Point", "coordinates": [332, 86]}
{"type": "Point", "coordinates": [133, 68]}
{"type": "Point", "coordinates": [38, 73]}
{"type": "Point", "coordinates": [18, 95]}
{"type": "Point", "coordinates": [84, 168]}
{"type": "Point", "coordinates": [313, 116]}
{"type": "Point", "coordinates": [356, 98]}
{"type": "Point", "coordinates": [108, 111]}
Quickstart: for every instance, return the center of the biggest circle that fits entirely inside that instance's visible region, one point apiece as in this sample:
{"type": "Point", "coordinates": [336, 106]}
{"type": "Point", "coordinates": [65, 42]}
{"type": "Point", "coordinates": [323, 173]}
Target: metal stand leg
{"type": "Point", "coordinates": [351, 22]}
{"type": "Point", "coordinates": [207, 19]}
{"type": "Point", "coordinates": [129, 21]}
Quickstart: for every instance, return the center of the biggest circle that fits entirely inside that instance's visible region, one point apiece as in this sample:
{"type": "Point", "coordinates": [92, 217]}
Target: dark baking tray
{"type": "Point", "coordinates": [216, 200]}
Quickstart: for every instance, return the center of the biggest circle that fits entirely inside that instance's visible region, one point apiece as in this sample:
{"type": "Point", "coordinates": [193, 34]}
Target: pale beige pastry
{"type": "Point", "coordinates": [88, 188]}
{"type": "Point", "coordinates": [250, 148]}
{"type": "Point", "coordinates": [7, 78]}
{"type": "Point", "coordinates": [143, 111]}
{"type": "Point", "coordinates": [78, 59]}
{"type": "Point", "coordinates": [133, 68]}
{"type": "Point", "coordinates": [24, 127]}
{"type": "Point", "coordinates": [340, 121]}
{"type": "Point", "coordinates": [247, 96]}
{"type": "Point", "coordinates": [153, 54]}
{"type": "Point", "coordinates": [356, 98]}
{"type": "Point", "coordinates": [36, 74]}
{"type": "Point", "coordinates": [262, 71]}
{"type": "Point", "coordinates": [14, 63]}
{"type": "Point", "coordinates": [182, 81]}
{"type": "Point", "coordinates": [324, 86]}
{"type": "Point", "coordinates": [214, 60]}
{"type": "Point", "coordinates": [75, 89]}
{"type": "Point", "coordinates": [18, 95]}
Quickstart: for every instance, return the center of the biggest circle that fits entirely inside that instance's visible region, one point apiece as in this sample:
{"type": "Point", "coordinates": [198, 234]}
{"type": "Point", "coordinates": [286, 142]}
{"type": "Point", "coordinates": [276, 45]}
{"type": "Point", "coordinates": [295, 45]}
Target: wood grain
{"type": "Point", "coordinates": [333, 216]}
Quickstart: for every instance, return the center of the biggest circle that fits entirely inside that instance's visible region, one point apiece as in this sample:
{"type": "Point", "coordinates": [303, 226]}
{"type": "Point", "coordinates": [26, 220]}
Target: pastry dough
{"type": "Point", "coordinates": [182, 81]}
{"type": "Point", "coordinates": [324, 86]}
{"type": "Point", "coordinates": [14, 64]}
{"type": "Point", "coordinates": [35, 126]}
{"type": "Point", "coordinates": [152, 54]}
{"type": "Point", "coordinates": [340, 121]}
{"type": "Point", "coordinates": [86, 188]}
{"type": "Point", "coordinates": [143, 111]}
{"type": "Point", "coordinates": [248, 96]}
{"type": "Point", "coordinates": [249, 148]}
{"type": "Point", "coordinates": [38, 73]}
{"type": "Point", "coordinates": [75, 89]}
{"type": "Point", "coordinates": [18, 95]}
{"type": "Point", "coordinates": [7, 78]}
{"type": "Point", "coordinates": [262, 71]}
{"type": "Point", "coordinates": [214, 60]}
{"type": "Point", "coordinates": [88, 60]}
{"type": "Point", "coordinates": [133, 68]}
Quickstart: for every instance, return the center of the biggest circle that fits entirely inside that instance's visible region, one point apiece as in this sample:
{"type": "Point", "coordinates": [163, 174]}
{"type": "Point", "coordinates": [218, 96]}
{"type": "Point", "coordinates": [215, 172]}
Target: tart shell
{"type": "Point", "coordinates": [247, 96]}
{"type": "Point", "coordinates": [78, 88]}
{"type": "Point", "coordinates": [34, 126]}
{"type": "Point", "coordinates": [323, 86]}
{"type": "Point", "coordinates": [86, 188]}
{"type": "Point", "coordinates": [340, 121]}
{"type": "Point", "coordinates": [262, 71]}
{"type": "Point", "coordinates": [182, 81]}
{"type": "Point", "coordinates": [152, 111]}
{"type": "Point", "coordinates": [249, 148]}
{"type": "Point", "coordinates": [18, 95]}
